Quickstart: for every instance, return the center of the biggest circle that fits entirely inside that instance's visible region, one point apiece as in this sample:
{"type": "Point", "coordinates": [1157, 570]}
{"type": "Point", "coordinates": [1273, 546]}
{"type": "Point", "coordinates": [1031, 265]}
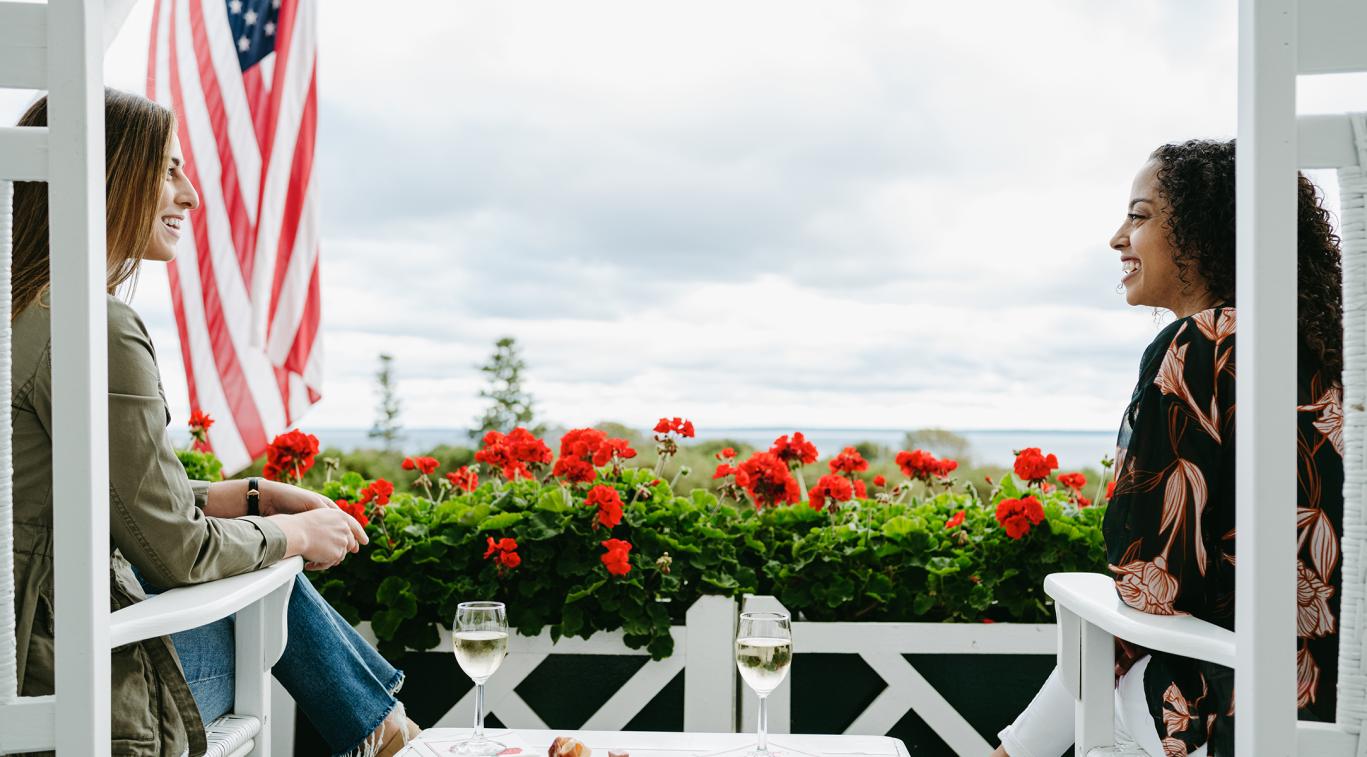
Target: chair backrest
{"type": "Point", "coordinates": [1278, 39]}
{"type": "Point", "coordinates": [58, 47]}
{"type": "Point", "coordinates": [1341, 142]}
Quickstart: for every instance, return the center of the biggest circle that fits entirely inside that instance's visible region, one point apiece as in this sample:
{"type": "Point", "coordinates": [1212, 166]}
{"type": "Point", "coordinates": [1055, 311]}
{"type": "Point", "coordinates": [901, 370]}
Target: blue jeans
{"type": "Point", "coordinates": [340, 682]}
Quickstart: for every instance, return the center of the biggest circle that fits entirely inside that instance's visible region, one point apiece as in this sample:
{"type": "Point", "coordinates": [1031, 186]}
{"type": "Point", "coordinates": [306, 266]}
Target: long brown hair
{"type": "Point", "coordinates": [137, 140]}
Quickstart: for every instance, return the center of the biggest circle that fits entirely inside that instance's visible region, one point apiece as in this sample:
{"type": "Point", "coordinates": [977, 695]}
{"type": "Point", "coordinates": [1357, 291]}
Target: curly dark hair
{"type": "Point", "coordinates": [1197, 180]}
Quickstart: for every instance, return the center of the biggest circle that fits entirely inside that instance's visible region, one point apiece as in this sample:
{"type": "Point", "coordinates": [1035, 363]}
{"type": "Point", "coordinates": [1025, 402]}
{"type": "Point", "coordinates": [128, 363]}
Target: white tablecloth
{"type": "Point", "coordinates": [435, 742]}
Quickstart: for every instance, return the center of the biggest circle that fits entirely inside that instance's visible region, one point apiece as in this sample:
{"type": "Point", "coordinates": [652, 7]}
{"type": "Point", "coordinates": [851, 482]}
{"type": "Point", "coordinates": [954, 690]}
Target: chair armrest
{"type": "Point", "coordinates": [192, 606]}
{"type": "Point", "coordinates": [1092, 597]}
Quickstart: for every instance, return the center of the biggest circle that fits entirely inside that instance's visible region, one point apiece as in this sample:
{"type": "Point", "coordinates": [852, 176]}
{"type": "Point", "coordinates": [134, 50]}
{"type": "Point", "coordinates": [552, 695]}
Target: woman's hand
{"type": "Point", "coordinates": [284, 499]}
{"type": "Point", "coordinates": [322, 536]}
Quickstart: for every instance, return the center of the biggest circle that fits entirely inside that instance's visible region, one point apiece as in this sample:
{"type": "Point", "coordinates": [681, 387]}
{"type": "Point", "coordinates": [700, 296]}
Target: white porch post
{"type": "Point", "coordinates": [1265, 679]}
{"type": "Point", "coordinates": [80, 436]}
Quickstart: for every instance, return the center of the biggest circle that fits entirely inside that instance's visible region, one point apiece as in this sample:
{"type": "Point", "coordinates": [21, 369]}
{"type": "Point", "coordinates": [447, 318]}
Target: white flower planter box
{"type": "Point", "coordinates": [715, 700]}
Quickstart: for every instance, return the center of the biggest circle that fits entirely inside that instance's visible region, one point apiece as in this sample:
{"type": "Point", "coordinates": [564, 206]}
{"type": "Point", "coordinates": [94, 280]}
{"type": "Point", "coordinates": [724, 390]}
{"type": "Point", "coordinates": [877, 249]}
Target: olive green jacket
{"type": "Point", "coordinates": [155, 523]}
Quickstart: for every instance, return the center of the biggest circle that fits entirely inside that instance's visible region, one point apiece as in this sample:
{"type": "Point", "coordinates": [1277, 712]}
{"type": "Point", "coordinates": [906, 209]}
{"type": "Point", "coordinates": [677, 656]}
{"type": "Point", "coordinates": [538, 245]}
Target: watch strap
{"type": "Point", "coordinates": [253, 496]}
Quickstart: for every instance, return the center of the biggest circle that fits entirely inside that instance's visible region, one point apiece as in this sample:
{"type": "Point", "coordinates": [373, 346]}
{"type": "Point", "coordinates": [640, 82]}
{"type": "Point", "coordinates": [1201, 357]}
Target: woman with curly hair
{"type": "Point", "coordinates": [1170, 526]}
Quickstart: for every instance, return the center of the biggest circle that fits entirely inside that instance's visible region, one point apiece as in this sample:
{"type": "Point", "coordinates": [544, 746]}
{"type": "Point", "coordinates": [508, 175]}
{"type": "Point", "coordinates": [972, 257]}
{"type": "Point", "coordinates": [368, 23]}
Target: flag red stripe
{"type": "Point", "coordinates": [152, 51]}
{"type": "Point", "coordinates": [244, 241]}
{"type": "Point", "coordinates": [284, 42]}
{"type": "Point", "coordinates": [301, 174]}
{"type": "Point", "coordinates": [235, 386]}
{"type": "Point", "coordinates": [258, 102]}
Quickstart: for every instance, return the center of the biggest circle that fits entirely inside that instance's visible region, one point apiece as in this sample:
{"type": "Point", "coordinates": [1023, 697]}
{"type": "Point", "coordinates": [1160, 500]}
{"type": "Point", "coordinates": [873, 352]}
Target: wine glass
{"type": "Point", "coordinates": [764, 650]}
{"type": "Point", "coordinates": [480, 638]}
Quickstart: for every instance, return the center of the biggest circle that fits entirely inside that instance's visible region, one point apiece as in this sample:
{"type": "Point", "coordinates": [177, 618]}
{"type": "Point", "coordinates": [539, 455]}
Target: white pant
{"type": "Point", "coordinates": [1045, 728]}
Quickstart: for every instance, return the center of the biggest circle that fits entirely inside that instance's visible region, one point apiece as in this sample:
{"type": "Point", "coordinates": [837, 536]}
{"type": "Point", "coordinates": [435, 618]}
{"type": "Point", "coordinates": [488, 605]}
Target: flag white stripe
{"type": "Point", "coordinates": [233, 298]}
{"type": "Point", "coordinates": [223, 435]}
{"type": "Point", "coordinates": [294, 289]}
{"type": "Point", "coordinates": [299, 70]}
{"type": "Point", "coordinates": [267, 65]}
{"type": "Point", "coordinates": [241, 129]}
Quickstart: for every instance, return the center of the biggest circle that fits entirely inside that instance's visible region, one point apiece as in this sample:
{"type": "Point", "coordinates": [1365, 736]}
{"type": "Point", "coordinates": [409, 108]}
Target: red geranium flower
{"type": "Point", "coordinates": [613, 448]}
{"type": "Point", "coordinates": [955, 520]}
{"type": "Point", "coordinates": [924, 466]}
{"type": "Point", "coordinates": [291, 455]}
{"type": "Point", "coordinates": [527, 448]}
{"type": "Point", "coordinates": [609, 504]}
{"type": "Point", "coordinates": [464, 479]}
{"type": "Point", "coordinates": [1110, 490]}
{"type": "Point", "coordinates": [617, 557]}
{"type": "Point", "coordinates": [1083, 501]}
{"type": "Point", "coordinates": [880, 481]}
{"type": "Point", "coordinates": [503, 552]}
{"type": "Point", "coordinates": [849, 461]}
{"type": "Point", "coordinates": [577, 450]}
{"type": "Point", "coordinates": [860, 489]}
{"type": "Point", "coordinates": [199, 430]}
{"type": "Point", "coordinates": [1018, 515]}
{"type": "Point", "coordinates": [727, 453]}
{"type": "Point", "coordinates": [378, 491]}
{"type": "Point", "coordinates": [425, 465]}
{"type": "Point", "coordinates": [1032, 465]}
{"type": "Point", "coordinates": [837, 488]}
{"type": "Point", "coordinates": [796, 452]}
{"type": "Point", "coordinates": [355, 510]}
{"type": "Point", "coordinates": [1074, 481]}
{"type": "Point", "coordinates": [511, 453]}
{"type": "Point", "coordinates": [767, 479]}
{"type": "Point", "coordinates": [678, 426]}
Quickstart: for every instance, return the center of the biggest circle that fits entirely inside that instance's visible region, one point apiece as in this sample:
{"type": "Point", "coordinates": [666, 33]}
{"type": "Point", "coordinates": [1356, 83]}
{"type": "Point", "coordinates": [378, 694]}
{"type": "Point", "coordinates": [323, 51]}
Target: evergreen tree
{"type": "Point", "coordinates": [387, 427]}
{"type": "Point", "coordinates": [511, 405]}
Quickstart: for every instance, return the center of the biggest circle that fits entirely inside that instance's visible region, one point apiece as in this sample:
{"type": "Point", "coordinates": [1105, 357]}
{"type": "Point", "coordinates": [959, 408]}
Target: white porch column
{"type": "Point", "coordinates": [1265, 477]}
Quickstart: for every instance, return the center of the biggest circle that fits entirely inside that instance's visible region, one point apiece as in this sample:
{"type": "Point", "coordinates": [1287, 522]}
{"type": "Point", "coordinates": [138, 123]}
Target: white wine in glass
{"type": "Point", "coordinates": [764, 650]}
{"type": "Point", "coordinates": [480, 638]}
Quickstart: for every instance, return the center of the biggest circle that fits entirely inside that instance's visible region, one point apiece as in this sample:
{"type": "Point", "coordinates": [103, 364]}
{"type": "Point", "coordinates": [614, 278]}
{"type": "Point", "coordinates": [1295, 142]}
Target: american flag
{"type": "Point", "coordinates": [241, 76]}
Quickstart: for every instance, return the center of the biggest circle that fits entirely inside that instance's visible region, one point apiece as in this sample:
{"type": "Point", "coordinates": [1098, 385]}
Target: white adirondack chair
{"type": "Point", "coordinates": [59, 47]}
{"type": "Point", "coordinates": [1277, 41]}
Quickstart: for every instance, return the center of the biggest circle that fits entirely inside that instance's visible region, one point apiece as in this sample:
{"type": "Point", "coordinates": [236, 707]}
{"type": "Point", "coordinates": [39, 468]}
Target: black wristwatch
{"type": "Point", "coordinates": [253, 496]}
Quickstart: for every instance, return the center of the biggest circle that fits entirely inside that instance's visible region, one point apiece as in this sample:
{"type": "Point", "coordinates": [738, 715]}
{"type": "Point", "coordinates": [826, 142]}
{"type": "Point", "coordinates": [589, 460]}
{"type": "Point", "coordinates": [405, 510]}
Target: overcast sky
{"type": "Point", "coordinates": [801, 214]}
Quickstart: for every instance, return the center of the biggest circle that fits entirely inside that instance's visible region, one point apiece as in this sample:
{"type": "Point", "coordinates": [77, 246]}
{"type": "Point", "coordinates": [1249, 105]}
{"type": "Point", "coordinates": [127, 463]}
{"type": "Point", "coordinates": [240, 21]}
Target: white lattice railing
{"type": "Point", "coordinates": [881, 646]}
{"type": "Point", "coordinates": [702, 651]}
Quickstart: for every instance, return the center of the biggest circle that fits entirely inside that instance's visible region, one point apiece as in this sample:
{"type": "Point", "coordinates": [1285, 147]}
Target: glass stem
{"type": "Point", "coordinates": [479, 711]}
{"type": "Point", "coordinates": [763, 725]}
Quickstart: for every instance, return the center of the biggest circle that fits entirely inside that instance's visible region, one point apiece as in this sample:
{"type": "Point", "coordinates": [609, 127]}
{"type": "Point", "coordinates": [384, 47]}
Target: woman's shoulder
{"type": "Point", "coordinates": [1214, 325]}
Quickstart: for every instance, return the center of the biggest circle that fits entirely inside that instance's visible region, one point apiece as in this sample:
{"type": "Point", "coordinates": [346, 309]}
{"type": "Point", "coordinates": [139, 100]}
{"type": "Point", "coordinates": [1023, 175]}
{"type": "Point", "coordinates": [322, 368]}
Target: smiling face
{"type": "Point", "coordinates": [178, 198]}
{"type": "Point", "coordinates": [1148, 258]}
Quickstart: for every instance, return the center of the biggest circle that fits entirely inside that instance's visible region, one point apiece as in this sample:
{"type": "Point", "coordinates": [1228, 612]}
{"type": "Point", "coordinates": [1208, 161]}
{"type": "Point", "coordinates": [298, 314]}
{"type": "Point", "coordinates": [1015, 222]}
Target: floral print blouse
{"type": "Point", "coordinates": [1170, 526]}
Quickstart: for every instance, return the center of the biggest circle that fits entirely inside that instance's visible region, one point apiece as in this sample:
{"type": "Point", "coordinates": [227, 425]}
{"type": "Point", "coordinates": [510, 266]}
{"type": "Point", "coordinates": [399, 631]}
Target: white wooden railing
{"type": "Point", "coordinates": [714, 701]}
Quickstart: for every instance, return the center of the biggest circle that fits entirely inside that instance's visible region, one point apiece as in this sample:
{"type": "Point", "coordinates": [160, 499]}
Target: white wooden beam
{"type": "Point", "coordinates": [27, 724]}
{"type": "Point", "coordinates": [115, 14]}
{"type": "Point", "coordinates": [23, 153]}
{"type": "Point", "coordinates": [23, 45]}
{"type": "Point", "coordinates": [80, 398]}
{"type": "Point", "coordinates": [1330, 36]}
{"type": "Point", "coordinates": [1325, 141]}
{"type": "Point", "coordinates": [1265, 486]}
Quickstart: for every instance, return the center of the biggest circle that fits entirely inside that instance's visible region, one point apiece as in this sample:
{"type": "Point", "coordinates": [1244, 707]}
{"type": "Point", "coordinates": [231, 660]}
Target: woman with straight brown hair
{"type": "Point", "coordinates": [166, 530]}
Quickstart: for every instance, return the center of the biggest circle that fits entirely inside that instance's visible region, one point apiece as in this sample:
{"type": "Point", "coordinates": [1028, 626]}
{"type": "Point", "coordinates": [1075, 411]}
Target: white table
{"type": "Point", "coordinates": [434, 742]}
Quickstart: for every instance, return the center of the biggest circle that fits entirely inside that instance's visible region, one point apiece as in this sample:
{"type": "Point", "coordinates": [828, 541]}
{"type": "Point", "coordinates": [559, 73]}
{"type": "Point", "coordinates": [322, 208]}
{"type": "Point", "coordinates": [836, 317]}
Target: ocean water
{"type": "Point", "coordinates": [1075, 449]}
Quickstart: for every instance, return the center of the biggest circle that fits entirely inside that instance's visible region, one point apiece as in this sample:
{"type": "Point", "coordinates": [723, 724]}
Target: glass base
{"type": "Point", "coordinates": [753, 750]}
{"type": "Point", "coordinates": [478, 747]}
